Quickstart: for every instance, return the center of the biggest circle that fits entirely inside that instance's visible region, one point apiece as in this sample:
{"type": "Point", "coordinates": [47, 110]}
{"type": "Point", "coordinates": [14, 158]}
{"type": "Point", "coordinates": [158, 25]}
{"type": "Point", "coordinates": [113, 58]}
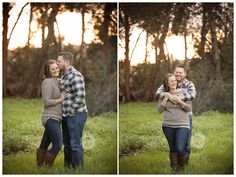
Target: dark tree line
{"type": "Point", "coordinates": [23, 67]}
{"type": "Point", "coordinates": [211, 69]}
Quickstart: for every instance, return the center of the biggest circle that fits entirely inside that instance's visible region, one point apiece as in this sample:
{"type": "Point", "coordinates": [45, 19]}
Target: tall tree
{"type": "Point", "coordinates": [6, 10]}
{"type": "Point", "coordinates": [125, 22]}
{"type": "Point", "coordinates": [128, 16]}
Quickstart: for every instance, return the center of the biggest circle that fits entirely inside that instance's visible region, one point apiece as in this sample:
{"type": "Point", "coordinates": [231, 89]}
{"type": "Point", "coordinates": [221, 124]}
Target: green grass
{"type": "Point", "coordinates": [22, 132]}
{"type": "Point", "coordinates": [144, 150]}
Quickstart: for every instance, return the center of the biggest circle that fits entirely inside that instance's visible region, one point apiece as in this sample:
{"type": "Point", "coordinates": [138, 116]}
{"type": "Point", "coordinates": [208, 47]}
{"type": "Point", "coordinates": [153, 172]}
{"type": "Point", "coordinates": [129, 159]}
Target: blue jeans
{"type": "Point", "coordinates": [177, 139]}
{"type": "Point", "coordinates": [187, 148]}
{"type": "Point", "coordinates": [72, 129]}
{"type": "Point", "coordinates": [52, 134]}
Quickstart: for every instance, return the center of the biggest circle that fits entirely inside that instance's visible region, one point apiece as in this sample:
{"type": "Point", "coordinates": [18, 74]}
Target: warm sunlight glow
{"type": "Point", "coordinates": [69, 23]}
{"type": "Point", "coordinates": [175, 48]}
{"type": "Point", "coordinates": [20, 33]}
{"type": "Point", "coordinates": [71, 28]}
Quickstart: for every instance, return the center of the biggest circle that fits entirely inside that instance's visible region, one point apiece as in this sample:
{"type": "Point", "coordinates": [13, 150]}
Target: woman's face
{"type": "Point", "coordinates": [54, 70]}
{"type": "Point", "coordinates": [172, 83]}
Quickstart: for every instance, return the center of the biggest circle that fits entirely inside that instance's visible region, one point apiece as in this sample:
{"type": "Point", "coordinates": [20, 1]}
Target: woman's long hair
{"type": "Point", "coordinates": [165, 81]}
{"type": "Point", "coordinates": [47, 73]}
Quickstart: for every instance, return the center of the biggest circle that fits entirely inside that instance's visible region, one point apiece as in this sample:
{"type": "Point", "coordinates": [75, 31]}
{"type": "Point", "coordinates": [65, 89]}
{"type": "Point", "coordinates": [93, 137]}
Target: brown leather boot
{"type": "Point", "coordinates": [49, 159]}
{"type": "Point", "coordinates": [181, 162]}
{"type": "Point", "coordinates": [40, 156]}
{"type": "Point", "coordinates": [173, 161]}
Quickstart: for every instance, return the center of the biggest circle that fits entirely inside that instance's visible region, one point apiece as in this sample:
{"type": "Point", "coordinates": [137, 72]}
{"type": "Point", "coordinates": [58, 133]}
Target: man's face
{"type": "Point", "coordinates": [61, 63]}
{"type": "Point", "coordinates": [179, 74]}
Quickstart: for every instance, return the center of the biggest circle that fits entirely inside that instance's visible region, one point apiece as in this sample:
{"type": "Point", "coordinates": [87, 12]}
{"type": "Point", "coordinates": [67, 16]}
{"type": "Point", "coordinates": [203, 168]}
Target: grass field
{"type": "Point", "coordinates": [144, 150]}
{"type": "Point", "coordinates": [22, 132]}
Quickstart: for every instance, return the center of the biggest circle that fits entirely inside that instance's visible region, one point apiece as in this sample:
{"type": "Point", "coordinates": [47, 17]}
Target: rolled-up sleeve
{"type": "Point", "coordinates": [160, 93]}
{"type": "Point", "coordinates": [188, 106]}
{"type": "Point", "coordinates": [190, 94]}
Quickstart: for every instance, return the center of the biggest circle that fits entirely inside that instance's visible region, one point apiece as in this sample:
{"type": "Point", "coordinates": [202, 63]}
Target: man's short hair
{"type": "Point", "coordinates": [181, 66]}
{"type": "Point", "coordinates": [68, 56]}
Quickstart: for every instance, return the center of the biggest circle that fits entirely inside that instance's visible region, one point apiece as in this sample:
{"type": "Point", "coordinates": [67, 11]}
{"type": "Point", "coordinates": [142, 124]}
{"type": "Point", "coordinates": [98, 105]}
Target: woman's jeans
{"type": "Point", "coordinates": [177, 139]}
{"type": "Point", "coordinates": [52, 134]}
{"type": "Point", "coordinates": [72, 128]}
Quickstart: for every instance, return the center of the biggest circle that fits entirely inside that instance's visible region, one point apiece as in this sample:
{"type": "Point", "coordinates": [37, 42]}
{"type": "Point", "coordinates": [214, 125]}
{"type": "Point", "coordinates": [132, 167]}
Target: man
{"type": "Point", "coordinates": [74, 110]}
{"type": "Point", "coordinates": [180, 75]}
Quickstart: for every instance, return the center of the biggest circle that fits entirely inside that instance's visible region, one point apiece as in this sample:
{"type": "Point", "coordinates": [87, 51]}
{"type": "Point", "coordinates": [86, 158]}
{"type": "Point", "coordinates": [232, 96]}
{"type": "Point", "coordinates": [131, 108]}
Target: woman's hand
{"type": "Point", "coordinates": [64, 94]}
{"type": "Point", "coordinates": [167, 95]}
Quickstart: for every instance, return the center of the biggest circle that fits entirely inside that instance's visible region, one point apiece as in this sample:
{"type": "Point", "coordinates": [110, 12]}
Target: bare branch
{"type": "Point", "coordinates": [17, 21]}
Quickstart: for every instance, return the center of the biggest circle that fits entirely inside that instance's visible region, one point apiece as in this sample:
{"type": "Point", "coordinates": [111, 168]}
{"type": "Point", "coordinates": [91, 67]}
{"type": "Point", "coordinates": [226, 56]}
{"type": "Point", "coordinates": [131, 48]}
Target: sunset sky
{"type": "Point", "coordinates": [175, 45]}
{"type": "Point", "coordinates": [66, 22]}
{"type": "Point", "coordinates": [72, 34]}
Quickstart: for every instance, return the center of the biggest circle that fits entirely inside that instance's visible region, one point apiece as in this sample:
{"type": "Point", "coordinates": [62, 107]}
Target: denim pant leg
{"type": "Point", "coordinates": [181, 137]}
{"type": "Point", "coordinates": [187, 148]}
{"type": "Point", "coordinates": [66, 142]}
{"type": "Point", "coordinates": [170, 136]}
{"type": "Point", "coordinates": [45, 142]}
{"type": "Point", "coordinates": [52, 134]}
{"type": "Point", "coordinates": [74, 127]}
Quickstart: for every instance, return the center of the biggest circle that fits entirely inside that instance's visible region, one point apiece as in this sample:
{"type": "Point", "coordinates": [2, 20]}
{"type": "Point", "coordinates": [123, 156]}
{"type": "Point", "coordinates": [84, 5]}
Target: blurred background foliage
{"type": "Point", "coordinates": [97, 61]}
{"type": "Point", "coordinates": [211, 68]}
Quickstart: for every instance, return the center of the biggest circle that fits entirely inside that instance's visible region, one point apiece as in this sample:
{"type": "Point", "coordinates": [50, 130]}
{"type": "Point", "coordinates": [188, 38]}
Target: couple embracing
{"type": "Point", "coordinates": [175, 96]}
{"type": "Point", "coordinates": [63, 104]}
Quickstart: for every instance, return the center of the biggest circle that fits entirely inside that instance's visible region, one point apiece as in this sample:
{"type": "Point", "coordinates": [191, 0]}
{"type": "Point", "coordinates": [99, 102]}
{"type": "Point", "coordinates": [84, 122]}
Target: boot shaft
{"type": "Point", "coordinates": [49, 159]}
{"type": "Point", "coordinates": [40, 155]}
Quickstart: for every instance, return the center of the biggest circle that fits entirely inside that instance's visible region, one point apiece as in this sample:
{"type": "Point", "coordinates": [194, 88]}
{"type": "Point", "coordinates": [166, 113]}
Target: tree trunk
{"type": "Point", "coordinates": [146, 48]}
{"type": "Point", "coordinates": [186, 60]}
{"type": "Point", "coordinates": [6, 9]}
{"type": "Point", "coordinates": [203, 34]}
{"type": "Point", "coordinates": [29, 30]}
{"type": "Point", "coordinates": [50, 24]}
{"type": "Point", "coordinates": [82, 52]}
{"type": "Point", "coordinates": [215, 49]}
{"type": "Point", "coordinates": [127, 61]}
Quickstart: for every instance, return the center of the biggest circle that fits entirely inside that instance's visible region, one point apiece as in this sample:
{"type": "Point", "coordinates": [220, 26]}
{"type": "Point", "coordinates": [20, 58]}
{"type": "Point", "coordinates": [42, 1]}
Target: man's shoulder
{"type": "Point", "coordinates": [75, 73]}
{"type": "Point", "coordinates": [186, 83]}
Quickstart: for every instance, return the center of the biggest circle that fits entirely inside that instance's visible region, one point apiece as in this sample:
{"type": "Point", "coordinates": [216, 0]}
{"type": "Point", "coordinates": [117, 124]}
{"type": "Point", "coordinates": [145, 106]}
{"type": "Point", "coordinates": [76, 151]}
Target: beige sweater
{"type": "Point", "coordinates": [51, 92]}
{"type": "Point", "coordinates": [175, 116]}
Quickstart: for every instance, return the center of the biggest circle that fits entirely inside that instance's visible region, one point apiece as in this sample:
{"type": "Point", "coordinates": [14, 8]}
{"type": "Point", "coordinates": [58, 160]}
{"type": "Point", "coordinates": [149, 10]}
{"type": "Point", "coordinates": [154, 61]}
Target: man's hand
{"type": "Point", "coordinates": [176, 98]}
{"type": "Point", "coordinates": [173, 99]}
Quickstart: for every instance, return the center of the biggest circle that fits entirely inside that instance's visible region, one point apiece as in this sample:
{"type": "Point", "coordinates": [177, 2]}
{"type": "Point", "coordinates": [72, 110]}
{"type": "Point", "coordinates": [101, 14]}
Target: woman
{"type": "Point", "coordinates": [51, 115]}
{"type": "Point", "coordinates": [176, 121]}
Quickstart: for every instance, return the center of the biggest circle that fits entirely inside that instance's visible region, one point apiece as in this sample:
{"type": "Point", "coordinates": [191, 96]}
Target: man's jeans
{"type": "Point", "coordinates": [52, 134]}
{"type": "Point", "coordinates": [177, 139]}
{"type": "Point", "coordinates": [72, 129]}
{"type": "Point", "coordinates": [187, 148]}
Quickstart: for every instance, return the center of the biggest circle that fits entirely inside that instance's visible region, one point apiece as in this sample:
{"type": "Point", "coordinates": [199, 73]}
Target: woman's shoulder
{"type": "Point", "coordinates": [47, 81]}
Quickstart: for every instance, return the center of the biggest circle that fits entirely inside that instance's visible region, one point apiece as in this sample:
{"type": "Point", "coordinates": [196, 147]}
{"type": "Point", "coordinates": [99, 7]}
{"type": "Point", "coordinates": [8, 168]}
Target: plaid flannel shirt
{"type": "Point", "coordinates": [186, 96]}
{"type": "Point", "coordinates": [73, 83]}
